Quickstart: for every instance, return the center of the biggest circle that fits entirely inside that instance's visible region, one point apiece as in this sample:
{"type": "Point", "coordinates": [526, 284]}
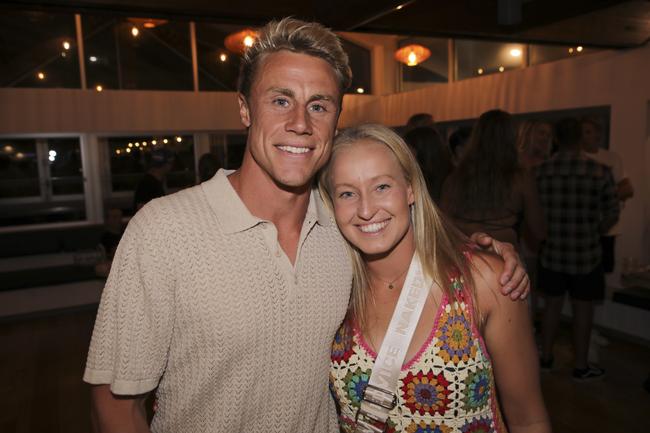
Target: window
{"type": "Point", "coordinates": [218, 67]}
{"type": "Point", "coordinates": [476, 58]}
{"type": "Point", "coordinates": [359, 58]}
{"type": "Point", "coordinates": [130, 157]}
{"type": "Point", "coordinates": [137, 53]}
{"type": "Point", "coordinates": [433, 70]}
{"type": "Point", "coordinates": [41, 181]}
{"type": "Point", "coordinates": [549, 53]}
{"type": "Point", "coordinates": [39, 49]}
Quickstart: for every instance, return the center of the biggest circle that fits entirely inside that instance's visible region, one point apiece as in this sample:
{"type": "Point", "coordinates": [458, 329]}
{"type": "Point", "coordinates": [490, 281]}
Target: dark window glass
{"type": "Point", "coordinates": [130, 157]}
{"type": "Point", "coordinates": [41, 181]}
{"type": "Point", "coordinates": [218, 67]}
{"type": "Point", "coordinates": [476, 58]}
{"type": "Point", "coordinates": [433, 70]}
{"type": "Point", "coordinates": [360, 64]}
{"type": "Point", "coordinates": [18, 169]}
{"type": "Point", "coordinates": [64, 158]}
{"type": "Point", "coordinates": [236, 145]}
{"type": "Point", "coordinates": [38, 49]}
{"type": "Point", "coordinates": [549, 53]}
{"type": "Point", "coordinates": [128, 53]}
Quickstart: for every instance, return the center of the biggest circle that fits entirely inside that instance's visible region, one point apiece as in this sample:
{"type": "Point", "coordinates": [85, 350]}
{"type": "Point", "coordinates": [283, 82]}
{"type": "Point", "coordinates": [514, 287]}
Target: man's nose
{"type": "Point", "coordinates": [299, 121]}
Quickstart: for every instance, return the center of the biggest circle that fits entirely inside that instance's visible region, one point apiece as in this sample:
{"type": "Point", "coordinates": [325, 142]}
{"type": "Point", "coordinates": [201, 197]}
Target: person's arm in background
{"type": "Point", "coordinates": [509, 339]}
{"type": "Point", "coordinates": [111, 413]}
{"type": "Point", "coordinates": [609, 200]}
{"type": "Point", "coordinates": [625, 189]}
{"type": "Point", "coordinates": [534, 221]}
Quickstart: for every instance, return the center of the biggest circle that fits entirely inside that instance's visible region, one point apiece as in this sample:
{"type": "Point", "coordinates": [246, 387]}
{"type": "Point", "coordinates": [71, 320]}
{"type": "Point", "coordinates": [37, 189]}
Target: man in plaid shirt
{"type": "Point", "coordinates": [580, 202]}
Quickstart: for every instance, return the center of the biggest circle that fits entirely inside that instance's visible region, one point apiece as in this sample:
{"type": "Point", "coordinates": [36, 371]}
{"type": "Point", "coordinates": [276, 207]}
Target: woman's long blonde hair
{"type": "Point", "coordinates": [439, 244]}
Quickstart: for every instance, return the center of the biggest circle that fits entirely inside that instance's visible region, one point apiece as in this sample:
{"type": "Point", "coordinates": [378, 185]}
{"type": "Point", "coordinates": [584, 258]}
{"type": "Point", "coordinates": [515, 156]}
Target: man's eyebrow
{"type": "Point", "coordinates": [319, 97]}
{"type": "Point", "coordinates": [290, 93]}
{"type": "Point", "coordinates": [282, 91]}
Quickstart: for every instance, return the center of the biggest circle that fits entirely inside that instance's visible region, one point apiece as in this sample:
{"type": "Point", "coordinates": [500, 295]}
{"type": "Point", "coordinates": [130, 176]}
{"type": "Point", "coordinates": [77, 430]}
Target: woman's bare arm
{"type": "Point", "coordinates": [509, 339]}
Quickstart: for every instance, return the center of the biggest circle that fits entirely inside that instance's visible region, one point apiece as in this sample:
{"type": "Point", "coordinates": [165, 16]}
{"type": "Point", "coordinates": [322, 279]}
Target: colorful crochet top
{"type": "Point", "coordinates": [448, 386]}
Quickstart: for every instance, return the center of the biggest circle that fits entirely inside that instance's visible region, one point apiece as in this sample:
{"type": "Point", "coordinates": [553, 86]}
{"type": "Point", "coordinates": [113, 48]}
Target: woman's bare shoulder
{"type": "Point", "coordinates": [486, 269]}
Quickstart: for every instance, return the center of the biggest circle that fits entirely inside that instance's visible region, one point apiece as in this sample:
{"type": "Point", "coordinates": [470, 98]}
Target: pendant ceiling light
{"type": "Point", "coordinates": [240, 41]}
{"type": "Point", "coordinates": [413, 54]}
{"type": "Point", "coordinates": [147, 23]}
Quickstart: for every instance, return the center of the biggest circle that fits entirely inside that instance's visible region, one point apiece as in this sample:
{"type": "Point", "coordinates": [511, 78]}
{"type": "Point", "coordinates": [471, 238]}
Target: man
{"type": "Point", "coordinates": [152, 183]}
{"type": "Point", "coordinates": [580, 203]}
{"type": "Point", "coordinates": [592, 139]}
{"type": "Point", "coordinates": [225, 297]}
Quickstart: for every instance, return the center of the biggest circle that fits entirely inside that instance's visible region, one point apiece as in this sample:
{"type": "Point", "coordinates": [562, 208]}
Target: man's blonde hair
{"type": "Point", "coordinates": [296, 36]}
{"type": "Point", "coordinates": [439, 244]}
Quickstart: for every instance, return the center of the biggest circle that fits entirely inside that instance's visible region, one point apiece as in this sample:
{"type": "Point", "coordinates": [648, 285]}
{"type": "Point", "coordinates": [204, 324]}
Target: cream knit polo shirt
{"type": "Point", "coordinates": [203, 304]}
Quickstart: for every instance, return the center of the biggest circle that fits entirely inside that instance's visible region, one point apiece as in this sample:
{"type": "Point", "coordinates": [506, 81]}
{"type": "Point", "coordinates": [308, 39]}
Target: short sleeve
{"type": "Point", "coordinates": [134, 323]}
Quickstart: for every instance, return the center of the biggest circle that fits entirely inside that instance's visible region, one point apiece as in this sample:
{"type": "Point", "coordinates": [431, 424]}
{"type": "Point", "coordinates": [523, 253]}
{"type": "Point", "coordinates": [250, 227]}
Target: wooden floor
{"type": "Point", "coordinates": [42, 361]}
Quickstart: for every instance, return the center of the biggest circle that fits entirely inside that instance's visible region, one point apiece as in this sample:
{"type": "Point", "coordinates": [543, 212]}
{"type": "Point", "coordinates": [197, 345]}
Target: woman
{"type": "Point", "coordinates": [489, 191]}
{"type": "Point", "coordinates": [534, 143]}
{"type": "Point", "coordinates": [433, 156]}
{"type": "Point", "coordinates": [468, 336]}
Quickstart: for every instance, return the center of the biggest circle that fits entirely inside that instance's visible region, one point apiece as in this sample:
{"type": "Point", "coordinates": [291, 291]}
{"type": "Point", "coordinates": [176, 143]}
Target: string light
{"type": "Point", "coordinates": [179, 139]}
{"type": "Point", "coordinates": [223, 57]}
{"type": "Point", "coordinates": [135, 32]}
{"type": "Point", "coordinates": [480, 71]}
{"type": "Point", "coordinates": [501, 69]}
{"type": "Point", "coordinates": [579, 49]}
{"type": "Point", "coordinates": [128, 150]}
{"type": "Point", "coordinates": [66, 45]}
{"type": "Point", "coordinates": [41, 76]}
{"type": "Point", "coordinates": [99, 88]}
{"type": "Point", "coordinates": [360, 90]}
{"type": "Point", "coordinates": [515, 52]}
{"type": "Point", "coordinates": [165, 141]}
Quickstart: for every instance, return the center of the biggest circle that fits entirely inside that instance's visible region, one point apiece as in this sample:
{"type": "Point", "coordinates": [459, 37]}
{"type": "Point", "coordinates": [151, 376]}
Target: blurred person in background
{"type": "Point", "coordinates": [458, 143]}
{"type": "Point", "coordinates": [152, 184]}
{"type": "Point", "coordinates": [434, 158]}
{"type": "Point", "coordinates": [534, 142]}
{"type": "Point", "coordinates": [113, 230]}
{"type": "Point", "coordinates": [580, 204]}
{"type": "Point", "coordinates": [591, 143]}
{"type": "Point", "coordinates": [489, 191]}
{"type": "Point", "coordinates": [209, 164]}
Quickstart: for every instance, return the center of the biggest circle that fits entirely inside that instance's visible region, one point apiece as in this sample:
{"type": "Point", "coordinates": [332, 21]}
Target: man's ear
{"type": "Point", "coordinates": [244, 111]}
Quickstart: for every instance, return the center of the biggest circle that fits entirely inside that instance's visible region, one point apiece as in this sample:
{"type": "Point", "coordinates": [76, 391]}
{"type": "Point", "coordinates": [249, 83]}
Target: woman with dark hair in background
{"type": "Point", "coordinates": [489, 191]}
{"type": "Point", "coordinates": [433, 156]}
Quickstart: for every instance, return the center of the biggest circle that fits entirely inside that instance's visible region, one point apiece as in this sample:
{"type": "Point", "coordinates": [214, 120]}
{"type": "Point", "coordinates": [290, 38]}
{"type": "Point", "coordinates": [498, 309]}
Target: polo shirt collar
{"type": "Point", "coordinates": [233, 214]}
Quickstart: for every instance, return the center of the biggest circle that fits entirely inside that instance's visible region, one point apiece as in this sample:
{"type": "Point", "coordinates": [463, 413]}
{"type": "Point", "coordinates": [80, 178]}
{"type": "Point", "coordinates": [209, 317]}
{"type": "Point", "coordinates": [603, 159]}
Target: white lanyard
{"type": "Point", "coordinates": [379, 396]}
